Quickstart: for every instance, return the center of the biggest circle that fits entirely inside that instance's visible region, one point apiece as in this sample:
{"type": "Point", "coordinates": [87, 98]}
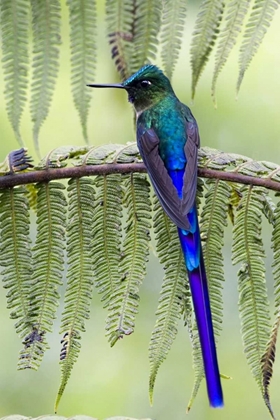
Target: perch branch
{"type": "Point", "coordinates": [46, 175]}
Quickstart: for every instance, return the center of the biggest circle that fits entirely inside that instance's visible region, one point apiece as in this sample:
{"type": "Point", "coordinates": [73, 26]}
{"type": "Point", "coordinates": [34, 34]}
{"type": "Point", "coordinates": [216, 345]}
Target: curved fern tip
{"type": "Point", "coordinates": [189, 406]}
{"type": "Point", "coordinates": [151, 396]}
{"type": "Point", "coordinates": [151, 392]}
{"type": "Point", "coordinates": [57, 401]}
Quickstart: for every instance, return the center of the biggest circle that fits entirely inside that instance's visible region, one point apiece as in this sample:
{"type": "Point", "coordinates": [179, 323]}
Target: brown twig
{"type": "Point", "coordinates": [46, 175]}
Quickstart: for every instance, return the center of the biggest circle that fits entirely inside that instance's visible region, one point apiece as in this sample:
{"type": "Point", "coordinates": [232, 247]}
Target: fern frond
{"type": "Point", "coordinates": [269, 355]}
{"type": "Point", "coordinates": [276, 255]}
{"type": "Point", "coordinates": [124, 302]}
{"type": "Point", "coordinates": [146, 28]}
{"type": "Point", "coordinates": [15, 255]}
{"type": "Point", "coordinates": [259, 22]}
{"type": "Point", "coordinates": [47, 262]}
{"type": "Point", "coordinates": [212, 224]}
{"type": "Point", "coordinates": [248, 250]}
{"type": "Point", "coordinates": [46, 38]}
{"type": "Point", "coordinates": [173, 294]}
{"type": "Point", "coordinates": [79, 277]}
{"type": "Point", "coordinates": [204, 36]}
{"type": "Point", "coordinates": [236, 13]}
{"type": "Point", "coordinates": [269, 208]}
{"type": "Point", "coordinates": [83, 50]}
{"type": "Point", "coordinates": [173, 19]}
{"type": "Point", "coordinates": [14, 34]}
{"type": "Point", "coordinates": [106, 233]}
{"type": "Point", "coordinates": [120, 18]}
{"type": "Point", "coordinates": [267, 362]}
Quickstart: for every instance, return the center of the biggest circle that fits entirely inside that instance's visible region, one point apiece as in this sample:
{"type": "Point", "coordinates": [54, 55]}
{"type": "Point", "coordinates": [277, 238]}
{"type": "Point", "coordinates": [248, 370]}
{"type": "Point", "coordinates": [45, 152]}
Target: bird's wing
{"type": "Point", "coordinates": [148, 142]}
{"type": "Point", "coordinates": [190, 175]}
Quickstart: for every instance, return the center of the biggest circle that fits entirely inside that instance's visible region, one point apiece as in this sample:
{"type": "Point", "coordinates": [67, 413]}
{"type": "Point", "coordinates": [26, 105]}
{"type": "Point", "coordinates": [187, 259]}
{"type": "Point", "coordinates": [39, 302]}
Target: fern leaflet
{"type": "Point", "coordinates": [79, 277]}
{"type": "Point", "coordinates": [125, 299]}
{"type": "Point", "coordinates": [269, 355]}
{"type": "Point", "coordinates": [145, 32]}
{"type": "Point", "coordinates": [236, 13]}
{"type": "Point", "coordinates": [83, 50]}
{"type": "Point", "coordinates": [15, 255]}
{"type": "Point", "coordinates": [46, 38]}
{"type": "Point", "coordinates": [120, 17]}
{"type": "Point", "coordinates": [173, 294]}
{"type": "Point", "coordinates": [47, 262]}
{"type": "Point", "coordinates": [106, 233]}
{"type": "Point", "coordinates": [204, 36]}
{"type": "Point", "coordinates": [253, 301]}
{"type": "Point", "coordinates": [14, 34]}
{"type": "Point", "coordinates": [173, 19]}
{"type": "Point", "coordinates": [259, 21]}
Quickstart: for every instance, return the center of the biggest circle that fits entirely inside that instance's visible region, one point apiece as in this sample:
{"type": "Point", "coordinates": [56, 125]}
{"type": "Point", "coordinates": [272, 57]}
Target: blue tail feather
{"type": "Point", "coordinates": [191, 246]}
{"type": "Point", "coordinates": [192, 250]}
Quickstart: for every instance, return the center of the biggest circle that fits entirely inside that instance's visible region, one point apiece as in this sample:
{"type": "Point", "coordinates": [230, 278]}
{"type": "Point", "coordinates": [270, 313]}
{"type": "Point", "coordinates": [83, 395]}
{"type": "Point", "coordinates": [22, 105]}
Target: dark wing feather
{"type": "Point", "coordinates": [167, 194]}
{"type": "Point", "coordinates": [190, 176]}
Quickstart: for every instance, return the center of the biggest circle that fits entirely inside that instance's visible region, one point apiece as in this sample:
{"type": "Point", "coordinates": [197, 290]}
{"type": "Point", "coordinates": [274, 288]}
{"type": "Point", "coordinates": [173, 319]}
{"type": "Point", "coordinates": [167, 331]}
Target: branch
{"type": "Point", "coordinates": [46, 175]}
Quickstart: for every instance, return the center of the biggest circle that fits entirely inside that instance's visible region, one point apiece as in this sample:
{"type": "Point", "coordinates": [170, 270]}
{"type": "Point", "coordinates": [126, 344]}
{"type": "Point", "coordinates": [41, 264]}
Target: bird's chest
{"type": "Point", "coordinates": [171, 132]}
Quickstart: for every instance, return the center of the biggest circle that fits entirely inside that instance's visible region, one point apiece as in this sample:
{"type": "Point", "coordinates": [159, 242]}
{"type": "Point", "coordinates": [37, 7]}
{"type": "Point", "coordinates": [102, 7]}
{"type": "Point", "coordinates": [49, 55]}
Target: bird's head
{"type": "Point", "coordinates": [145, 88]}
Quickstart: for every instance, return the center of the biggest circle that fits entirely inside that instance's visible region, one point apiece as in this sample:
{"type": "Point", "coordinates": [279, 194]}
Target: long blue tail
{"type": "Point", "coordinates": [191, 246]}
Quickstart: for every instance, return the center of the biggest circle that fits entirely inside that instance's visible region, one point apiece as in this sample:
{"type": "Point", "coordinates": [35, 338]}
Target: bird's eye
{"type": "Point", "coordinates": [145, 83]}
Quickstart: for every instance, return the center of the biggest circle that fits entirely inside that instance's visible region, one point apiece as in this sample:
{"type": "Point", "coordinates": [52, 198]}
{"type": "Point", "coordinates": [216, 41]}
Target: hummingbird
{"type": "Point", "coordinates": [168, 141]}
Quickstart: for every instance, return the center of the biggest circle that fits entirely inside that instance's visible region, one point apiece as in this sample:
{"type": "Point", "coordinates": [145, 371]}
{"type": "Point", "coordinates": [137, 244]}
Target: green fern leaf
{"type": "Point", "coordinates": [174, 14]}
{"type": "Point", "coordinates": [120, 21]}
{"type": "Point", "coordinates": [47, 262]}
{"type": "Point", "coordinates": [125, 299]}
{"type": "Point", "coordinates": [46, 38]}
{"type": "Point", "coordinates": [269, 209]}
{"type": "Point", "coordinates": [174, 292]}
{"type": "Point", "coordinates": [236, 13]}
{"type": "Point", "coordinates": [79, 276]}
{"type": "Point", "coordinates": [106, 251]}
{"type": "Point", "coordinates": [259, 21]}
{"type": "Point", "coordinates": [276, 254]}
{"type": "Point", "coordinates": [14, 34]}
{"type": "Point", "coordinates": [204, 36]}
{"type": "Point", "coordinates": [15, 255]}
{"type": "Point", "coordinates": [267, 362]}
{"type": "Point", "coordinates": [269, 355]}
{"type": "Point", "coordinates": [212, 224]}
{"type": "Point", "coordinates": [253, 301]}
{"type": "Point", "coordinates": [83, 51]}
{"type": "Point", "coordinates": [146, 26]}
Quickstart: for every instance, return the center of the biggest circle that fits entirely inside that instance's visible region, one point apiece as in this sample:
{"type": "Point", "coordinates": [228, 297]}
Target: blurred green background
{"type": "Point", "coordinates": [107, 382]}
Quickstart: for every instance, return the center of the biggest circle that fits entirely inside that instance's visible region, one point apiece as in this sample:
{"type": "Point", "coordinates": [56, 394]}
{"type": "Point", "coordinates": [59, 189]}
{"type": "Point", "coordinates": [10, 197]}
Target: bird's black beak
{"type": "Point", "coordinates": [116, 85]}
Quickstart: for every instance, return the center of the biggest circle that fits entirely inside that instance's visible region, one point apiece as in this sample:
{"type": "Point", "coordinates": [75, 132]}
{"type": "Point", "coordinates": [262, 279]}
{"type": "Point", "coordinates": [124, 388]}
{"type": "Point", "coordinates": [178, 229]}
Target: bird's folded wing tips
{"type": "Point", "coordinates": [148, 143]}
